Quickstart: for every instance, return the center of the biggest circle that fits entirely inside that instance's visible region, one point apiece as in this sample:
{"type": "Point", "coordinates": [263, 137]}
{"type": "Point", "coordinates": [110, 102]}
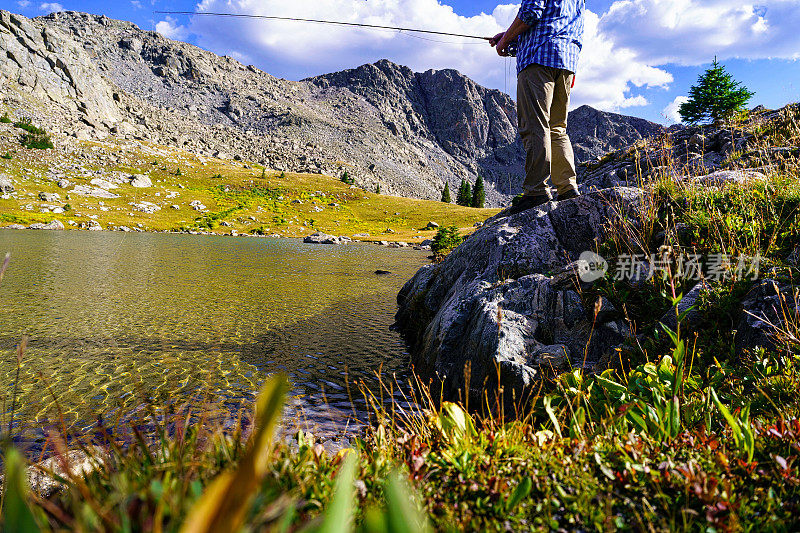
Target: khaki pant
{"type": "Point", "coordinates": [542, 102]}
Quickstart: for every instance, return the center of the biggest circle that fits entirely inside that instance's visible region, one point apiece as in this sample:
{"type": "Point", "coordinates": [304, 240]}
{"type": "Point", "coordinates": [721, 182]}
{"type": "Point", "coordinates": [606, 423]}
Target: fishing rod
{"type": "Point", "coordinates": [332, 22]}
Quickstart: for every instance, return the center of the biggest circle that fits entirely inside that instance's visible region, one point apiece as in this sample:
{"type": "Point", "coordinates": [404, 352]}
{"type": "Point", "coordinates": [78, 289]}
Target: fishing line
{"type": "Point", "coordinates": [505, 75]}
{"type": "Point", "coordinates": [403, 32]}
{"type": "Point", "coordinates": [319, 21]}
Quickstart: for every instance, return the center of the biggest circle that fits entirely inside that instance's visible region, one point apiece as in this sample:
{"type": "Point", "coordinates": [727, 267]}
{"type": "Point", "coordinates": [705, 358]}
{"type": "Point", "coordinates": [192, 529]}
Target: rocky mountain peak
{"type": "Point", "coordinates": [596, 132]}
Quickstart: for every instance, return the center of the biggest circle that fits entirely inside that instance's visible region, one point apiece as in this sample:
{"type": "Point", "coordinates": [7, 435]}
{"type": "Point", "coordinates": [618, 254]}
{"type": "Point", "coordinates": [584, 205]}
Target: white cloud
{"type": "Point", "coordinates": [23, 3]}
{"type": "Point", "coordinates": [670, 113]}
{"type": "Point", "coordinates": [606, 74]}
{"type": "Point", "coordinates": [51, 7]}
{"type": "Point", "coordinates": [170, 29]}
{"type": "Point", "coordinates": [692, 32]}
{"type": "Point", "coordinates": [136, 3]}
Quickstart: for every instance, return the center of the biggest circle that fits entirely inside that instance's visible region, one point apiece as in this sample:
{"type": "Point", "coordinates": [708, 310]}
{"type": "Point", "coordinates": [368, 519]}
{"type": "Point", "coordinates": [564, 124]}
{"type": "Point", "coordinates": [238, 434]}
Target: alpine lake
{"type": "Point", "coordinates": [116, 321]}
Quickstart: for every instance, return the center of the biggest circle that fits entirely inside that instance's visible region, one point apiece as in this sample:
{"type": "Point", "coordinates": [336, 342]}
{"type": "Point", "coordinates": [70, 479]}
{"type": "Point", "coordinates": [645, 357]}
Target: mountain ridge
{"type": "Point", "coordinates": [407, 132]}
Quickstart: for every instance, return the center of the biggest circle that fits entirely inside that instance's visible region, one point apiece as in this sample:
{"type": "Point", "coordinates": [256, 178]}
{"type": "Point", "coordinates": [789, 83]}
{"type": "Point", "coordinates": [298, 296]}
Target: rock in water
{"type": "Point", "coordinates": [492, 304]}
{"type": "Point", "coordinates": [322, 238]}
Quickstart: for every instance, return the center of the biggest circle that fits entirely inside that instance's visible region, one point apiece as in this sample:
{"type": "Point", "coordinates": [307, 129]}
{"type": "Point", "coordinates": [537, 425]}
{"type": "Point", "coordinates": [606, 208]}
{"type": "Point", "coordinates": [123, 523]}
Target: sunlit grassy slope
{"type": "Point", "coordinates": [238, 196]}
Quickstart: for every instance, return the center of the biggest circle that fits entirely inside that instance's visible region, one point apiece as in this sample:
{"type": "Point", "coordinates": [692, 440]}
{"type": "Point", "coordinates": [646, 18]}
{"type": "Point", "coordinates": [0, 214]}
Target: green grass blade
{"type": "Point", "coordinates": [520, 493]}
{"type": "Point", "coordinates": [548, 407]}
{"type": "Point", "coordinates": [223, 506]}
{"type": "Point", "coordinates": [403, 514]}
{"type": "Point", "coordinates": [17, 516]}
{"type": "Point", "coordinates": [732, 422]}
{"type": "Point", "coordinates": [339, 515]}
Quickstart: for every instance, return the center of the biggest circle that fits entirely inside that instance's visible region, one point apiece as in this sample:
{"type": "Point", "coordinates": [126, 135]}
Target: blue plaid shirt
{"type": "Point", "coordinates": [555, 38]}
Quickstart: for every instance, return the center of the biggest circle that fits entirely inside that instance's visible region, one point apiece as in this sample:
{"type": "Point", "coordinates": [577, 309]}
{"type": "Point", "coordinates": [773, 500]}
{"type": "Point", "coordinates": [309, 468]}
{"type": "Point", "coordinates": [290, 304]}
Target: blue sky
{"type": "Point", "coordinates": [639, 55]}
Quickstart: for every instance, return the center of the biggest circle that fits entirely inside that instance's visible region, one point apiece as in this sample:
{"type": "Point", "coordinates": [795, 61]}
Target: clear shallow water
{"type": "Point", "coordinates": [114, 317]}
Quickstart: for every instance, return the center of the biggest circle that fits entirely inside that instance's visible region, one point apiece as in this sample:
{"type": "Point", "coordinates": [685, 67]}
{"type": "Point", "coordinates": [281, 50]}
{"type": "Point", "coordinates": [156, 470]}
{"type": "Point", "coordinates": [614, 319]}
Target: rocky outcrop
{"type": "Point", "coordinates": [507, 298]}
{"type": "Point", "coordinates": [44, 62]}
{"type": "Point", "coordinates": [703, 155]}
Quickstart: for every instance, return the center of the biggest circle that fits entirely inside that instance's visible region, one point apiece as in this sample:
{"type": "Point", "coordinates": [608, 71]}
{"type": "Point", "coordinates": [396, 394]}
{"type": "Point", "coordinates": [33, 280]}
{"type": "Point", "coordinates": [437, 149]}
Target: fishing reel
{"type": "Point", "coordinates": [512, 49]}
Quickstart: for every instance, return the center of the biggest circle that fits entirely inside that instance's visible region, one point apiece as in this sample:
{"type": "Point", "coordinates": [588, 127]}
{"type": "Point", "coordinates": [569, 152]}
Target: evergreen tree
{"type": "Point", "coordinates": [461, 192]}
{"type": "Point", "coordinates": [446, 194]}
{"type": "Point", "coordinates": [716, 97]}
{"type": "Point", "coordinates": [467, 195]}
{"type": "Point", "coordinates": [478, 193]}
{"type": "Point", "coordinates": [378, 189]}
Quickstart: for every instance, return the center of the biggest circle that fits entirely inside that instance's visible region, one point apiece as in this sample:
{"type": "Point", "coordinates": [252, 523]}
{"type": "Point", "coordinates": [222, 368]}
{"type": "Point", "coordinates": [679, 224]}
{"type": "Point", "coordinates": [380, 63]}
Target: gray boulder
{"type": "Point", "coordinates": [52, 225]}
{"type": "Point", "coordinates": [145, 207]}
{"type": "Point", "coordinates": [5, 184]}
{"type": "Point", "coordinates": [725, 177]}
{"type": "Point", "coordinates": [766, 310]}
{"type": "Point", "coordinates": [322, 238]}
{"type": "Point", "coordinates": [794, 257]}
{"type": "Point", "coordinates": [95, 192]}
{"type": "Point", "coordinates": [71, 464]}
{"type": "Point", "coordinates": [140, 181]}
{"type": "Point", "coordinates": [49, 197]}
{"type": "Point", "coordinates": [492, 303]}
{"type": "Point", "coordinates": [688, 305]}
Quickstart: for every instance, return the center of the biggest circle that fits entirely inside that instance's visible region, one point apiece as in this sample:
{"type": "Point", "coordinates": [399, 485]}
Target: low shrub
{"type": "Point", "coordinates": [34, 137]}
{"type": "Point", "coordinates": [36, 141]}
{"type": "Point", "coordinates": [27, 125]}
{"type": "Point", "coordinates": [445, 240]}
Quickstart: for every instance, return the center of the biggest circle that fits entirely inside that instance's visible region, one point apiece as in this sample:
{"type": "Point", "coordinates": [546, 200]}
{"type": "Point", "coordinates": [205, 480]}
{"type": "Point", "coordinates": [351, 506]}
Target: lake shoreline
{"type": "Point", "coordinates": [388, 242]}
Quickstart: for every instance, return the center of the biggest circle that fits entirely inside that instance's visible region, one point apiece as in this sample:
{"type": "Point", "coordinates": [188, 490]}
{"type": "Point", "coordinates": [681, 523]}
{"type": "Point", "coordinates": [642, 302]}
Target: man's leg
{"type": "Point", "coordinates": [535, 86]}
{"type": "Point", "coordinates": [563, 160]}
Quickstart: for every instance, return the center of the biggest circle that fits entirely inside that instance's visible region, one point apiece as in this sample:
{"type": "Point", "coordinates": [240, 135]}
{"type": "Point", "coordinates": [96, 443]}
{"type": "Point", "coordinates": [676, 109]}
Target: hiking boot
{"type": "Point", "coordinates": [527, 202]}
{"type": "Point", "coordinates": [568, 195]}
